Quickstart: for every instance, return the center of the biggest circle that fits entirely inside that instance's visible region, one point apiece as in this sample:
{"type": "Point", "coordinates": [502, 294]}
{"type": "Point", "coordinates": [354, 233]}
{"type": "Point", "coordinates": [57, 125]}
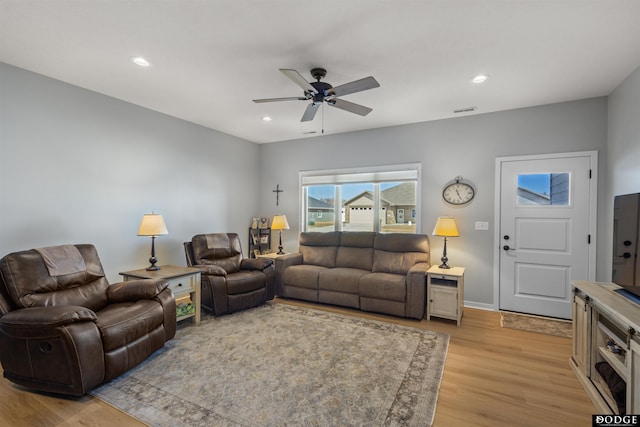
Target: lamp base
{"type": "Point", "coordinates": [444, 264]}
{"type": "Point", "coordinates": [153, 260]}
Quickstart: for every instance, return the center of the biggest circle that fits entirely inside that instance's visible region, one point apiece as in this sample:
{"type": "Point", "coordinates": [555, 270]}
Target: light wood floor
{"type": "Point", "coordinates": [493, 377]}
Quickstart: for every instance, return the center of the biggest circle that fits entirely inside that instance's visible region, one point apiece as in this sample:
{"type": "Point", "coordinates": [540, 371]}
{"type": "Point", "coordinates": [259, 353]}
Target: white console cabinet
{"type": "Point", "coordinates": [606, 334]}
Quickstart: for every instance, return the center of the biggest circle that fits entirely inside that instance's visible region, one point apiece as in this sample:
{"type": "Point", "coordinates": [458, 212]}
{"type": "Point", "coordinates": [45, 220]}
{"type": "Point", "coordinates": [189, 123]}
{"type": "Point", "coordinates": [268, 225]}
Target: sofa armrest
{"type": "Point", "coordinates": [54, 349]}
{"type": "Point", "coordinates": [258, 264]}
{"type": "Point", "coordinates": [417, 290]}
{"type": "Point", "coordinates": [282, 262]}
{"type": "Point", "coordinates": [211, 269]}
{"type": "Point", "coordinates": [134, 290]}
{"type": "Point", "coordinates": [47, 317]}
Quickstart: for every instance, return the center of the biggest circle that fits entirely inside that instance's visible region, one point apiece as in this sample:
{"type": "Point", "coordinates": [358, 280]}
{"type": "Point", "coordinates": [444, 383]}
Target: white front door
{"type": "Point", "coordinates": [547, 215]}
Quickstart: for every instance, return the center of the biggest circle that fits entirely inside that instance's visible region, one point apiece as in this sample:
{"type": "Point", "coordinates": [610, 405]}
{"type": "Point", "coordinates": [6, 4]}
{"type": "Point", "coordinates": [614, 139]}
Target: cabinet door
{"type": "Point", "coordinates": [633, 385]}
{"type": "Point", "coordinates": [580, 350]}
{"type": "Point", "coordinates": [444, 301]}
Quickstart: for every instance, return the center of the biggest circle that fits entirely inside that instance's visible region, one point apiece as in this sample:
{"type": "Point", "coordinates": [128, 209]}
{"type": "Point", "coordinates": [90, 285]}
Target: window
{"type": "Point", "coordinates": [371, 199]}
{"type": "Point", "coordinates": [543, 189]}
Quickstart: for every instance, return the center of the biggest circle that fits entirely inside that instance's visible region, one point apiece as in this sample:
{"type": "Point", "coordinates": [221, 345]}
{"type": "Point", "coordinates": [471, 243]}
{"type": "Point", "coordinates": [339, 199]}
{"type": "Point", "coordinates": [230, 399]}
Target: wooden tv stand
{"type": "Point", "coordinates": [606, 328]}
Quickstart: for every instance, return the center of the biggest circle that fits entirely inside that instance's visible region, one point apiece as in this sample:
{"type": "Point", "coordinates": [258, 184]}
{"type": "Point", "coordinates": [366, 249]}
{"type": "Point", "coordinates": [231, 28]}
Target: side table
{"type": "Point", "coordinates": [445, 293]}
{"type": "Point", "coordinates": [182, 281]}
{"type": "Point", "coordinates": [272, 255]}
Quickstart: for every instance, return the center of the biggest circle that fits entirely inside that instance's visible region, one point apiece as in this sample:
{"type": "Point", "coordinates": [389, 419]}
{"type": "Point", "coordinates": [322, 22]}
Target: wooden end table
{"type": "Point", "coordinates": [182, 281]}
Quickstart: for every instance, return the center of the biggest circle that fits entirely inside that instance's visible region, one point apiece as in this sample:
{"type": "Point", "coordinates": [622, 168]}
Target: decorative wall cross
{"type": "Point", "coordinates": [278, 191]}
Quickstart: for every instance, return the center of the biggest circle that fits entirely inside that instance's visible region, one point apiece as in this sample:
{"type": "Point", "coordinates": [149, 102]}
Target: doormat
{"type": "Point", "coordinates": [539, 324]}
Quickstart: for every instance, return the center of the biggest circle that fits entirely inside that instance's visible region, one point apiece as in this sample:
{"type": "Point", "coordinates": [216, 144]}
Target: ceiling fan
{"type": "Point", "coordinates": [318, 91]}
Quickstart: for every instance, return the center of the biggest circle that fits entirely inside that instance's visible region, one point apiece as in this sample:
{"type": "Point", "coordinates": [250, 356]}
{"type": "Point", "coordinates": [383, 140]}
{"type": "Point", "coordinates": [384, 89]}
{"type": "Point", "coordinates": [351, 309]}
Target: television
{"type": "Point", "coordinates": [626, 234]}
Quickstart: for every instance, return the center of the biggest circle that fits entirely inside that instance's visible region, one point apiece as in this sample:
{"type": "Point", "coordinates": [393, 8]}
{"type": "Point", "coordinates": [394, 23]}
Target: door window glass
{"type": "Point", "coordinates": [543, 189]}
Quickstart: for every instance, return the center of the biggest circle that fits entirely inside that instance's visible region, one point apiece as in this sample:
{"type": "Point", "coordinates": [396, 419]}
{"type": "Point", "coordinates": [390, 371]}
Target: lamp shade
{"type": "Point", "coordinates": [446, 227]}
{"type": "Point", "coordinates": [279, 222]}
{"type": "Point", "coordinates": [152, 225]}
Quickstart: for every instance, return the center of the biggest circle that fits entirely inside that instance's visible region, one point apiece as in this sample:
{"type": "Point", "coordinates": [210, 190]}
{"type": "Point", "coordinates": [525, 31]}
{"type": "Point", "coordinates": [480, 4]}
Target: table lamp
{"type": "Point", "coordinates": [152, 225]}
{"type": "Point", "coordinates": [279, 222]}
{"type": "Point", "coordinates": [445, 227]}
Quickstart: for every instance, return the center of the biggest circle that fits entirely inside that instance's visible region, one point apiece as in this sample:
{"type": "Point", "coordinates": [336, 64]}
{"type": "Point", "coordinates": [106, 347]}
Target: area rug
{"type": "Point", "coordinates": [281, 365]}
{"type": "Point", "coordinates": [532, 323]}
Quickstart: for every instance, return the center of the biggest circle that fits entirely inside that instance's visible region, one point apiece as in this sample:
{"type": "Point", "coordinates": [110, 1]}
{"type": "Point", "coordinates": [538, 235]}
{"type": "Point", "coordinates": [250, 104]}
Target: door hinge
{"type": "Point", "coordinates": [589, 173]}
{"type": "Point", "coordinates": [588, 239]}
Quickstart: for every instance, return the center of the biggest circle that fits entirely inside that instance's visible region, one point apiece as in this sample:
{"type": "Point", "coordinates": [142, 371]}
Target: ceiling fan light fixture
{"type": "Point", "coordinates": [140, 61]}
{"type": "Point", "coordinates": [480, 78]}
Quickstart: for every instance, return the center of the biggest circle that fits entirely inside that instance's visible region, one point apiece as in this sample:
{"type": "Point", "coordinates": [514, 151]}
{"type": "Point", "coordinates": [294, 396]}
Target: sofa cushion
{"type": "Point", "coordinates": [383, 286]}
{"type": "Point", "coordinates": [399, 242]}
{"type": "Point", "coordinates": [397, 253]}
{"type": "Point", "coordinates": [320, 239]}
{"type": "Point", "coordinates": [358, 239]}
{"type": "Point", "coordinates": [221, 249]}
{"type": "Point", "coordinates": [361, 258]}
{"type": "Point", "coordinates": [244, 281]}
{"type": "Point", "coordinates": [319, 248]}
{"type": "Point", "coordinates": [29, 284]}
{"type": "Point", "coordinates": [317, 255]}
{"type": "Point", "coordinates": [302, 276]}
{"type": "Point", "coordinates": [341, 279]}
{"type": "Point", "coordinates": [123, 323]}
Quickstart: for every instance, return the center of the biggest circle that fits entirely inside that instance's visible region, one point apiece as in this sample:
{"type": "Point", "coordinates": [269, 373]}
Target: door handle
{"type": "Point", "coordinates": [507, 248]}
{"type": "Point", "coordinates": [625, 255]}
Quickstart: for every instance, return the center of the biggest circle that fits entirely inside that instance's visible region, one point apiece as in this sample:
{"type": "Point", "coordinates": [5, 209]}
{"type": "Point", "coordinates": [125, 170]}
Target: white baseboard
{"type": "Point", "coordinates": [479, 306]}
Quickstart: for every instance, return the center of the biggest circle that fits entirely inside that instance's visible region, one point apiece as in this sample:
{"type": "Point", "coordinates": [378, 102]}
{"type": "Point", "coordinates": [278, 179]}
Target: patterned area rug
{"type": "Point", "coordinates": [286, 365]}
{"type": "Point", "coordinates": [540, 324]}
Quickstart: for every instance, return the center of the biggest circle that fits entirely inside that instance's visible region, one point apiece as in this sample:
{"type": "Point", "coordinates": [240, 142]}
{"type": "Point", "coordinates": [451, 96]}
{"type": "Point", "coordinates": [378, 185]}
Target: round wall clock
{"type": "Point", "coordinates": [458, 193]}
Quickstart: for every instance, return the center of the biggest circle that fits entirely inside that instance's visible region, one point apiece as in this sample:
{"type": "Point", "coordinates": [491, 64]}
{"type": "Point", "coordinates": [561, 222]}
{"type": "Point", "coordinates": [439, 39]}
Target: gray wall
{"type": "Point", "coordinates": [464, 146]}
{"type": "Point", "coordinates": [80, 167]}
{"type": "Point", "coordinates": [623, 156]}
{"type": "Point", "coordinates": [77, 166]}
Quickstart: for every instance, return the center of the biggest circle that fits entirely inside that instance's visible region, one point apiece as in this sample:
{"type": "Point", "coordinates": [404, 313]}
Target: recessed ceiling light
{"type": "Point", "coordinates": [140, 61]}
{"type": "Point", "coordinates": [266, 119]}
{"type": "Point", "coordinates": [480, 78]}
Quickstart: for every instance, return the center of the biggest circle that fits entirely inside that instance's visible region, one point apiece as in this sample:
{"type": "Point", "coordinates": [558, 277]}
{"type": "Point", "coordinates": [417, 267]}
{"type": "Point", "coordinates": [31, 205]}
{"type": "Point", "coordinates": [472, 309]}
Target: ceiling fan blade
{"type": "Point", "coordinates": [310, 112]}
{"type": "Point", "coordinates": [350, 106]}
{"type": "Point", "coordinates": [354, 86]}
{"type": "Point", "coordinates": [291, 98]}
{"type": "Point", "coordinates": [297, 78]}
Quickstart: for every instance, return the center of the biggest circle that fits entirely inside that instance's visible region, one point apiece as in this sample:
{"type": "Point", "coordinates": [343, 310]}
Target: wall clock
{"type": "Point", "coordinates": [458, 192]}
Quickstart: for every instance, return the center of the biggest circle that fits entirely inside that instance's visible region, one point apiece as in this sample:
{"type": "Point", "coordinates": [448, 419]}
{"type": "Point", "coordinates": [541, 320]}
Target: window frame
{"type": "Point", "coordinates": [372, 174]}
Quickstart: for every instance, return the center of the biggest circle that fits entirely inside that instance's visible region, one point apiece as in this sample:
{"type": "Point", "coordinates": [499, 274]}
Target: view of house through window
{"type": "Point", "coordinates": [361, 202]}
{"type": "Point", "coordinates": [543, 189]}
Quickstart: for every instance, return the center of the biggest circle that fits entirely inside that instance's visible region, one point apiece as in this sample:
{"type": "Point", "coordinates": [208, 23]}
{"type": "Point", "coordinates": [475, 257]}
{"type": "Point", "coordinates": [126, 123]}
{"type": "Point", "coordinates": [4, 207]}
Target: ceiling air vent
{"type": "Point", "coordinates": [465, 110]}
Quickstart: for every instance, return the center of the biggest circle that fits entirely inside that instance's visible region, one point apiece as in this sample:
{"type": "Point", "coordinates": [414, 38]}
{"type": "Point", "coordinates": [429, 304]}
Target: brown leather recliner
{"type": "Point", "coordinates": [65, 330]}
{"type": "Point", "coordinates": [229, 282]}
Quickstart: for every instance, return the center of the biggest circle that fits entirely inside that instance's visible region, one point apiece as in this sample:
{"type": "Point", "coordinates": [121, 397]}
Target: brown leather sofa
{"type": "Point", "coordinates": [229, 282]}
{"type": "Point", "coordinates": [384, 273]}
{"type": "Point", "coordinates": [64, 329]}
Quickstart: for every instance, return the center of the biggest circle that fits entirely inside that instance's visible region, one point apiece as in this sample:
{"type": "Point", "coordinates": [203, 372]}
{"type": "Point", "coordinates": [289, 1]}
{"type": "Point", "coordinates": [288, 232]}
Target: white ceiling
{"type": "Point", "coordinates": [210, 58]}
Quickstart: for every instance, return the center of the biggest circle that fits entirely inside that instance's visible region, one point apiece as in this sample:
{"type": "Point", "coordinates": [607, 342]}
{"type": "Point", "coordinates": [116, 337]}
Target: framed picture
{"type": "Point", "coordinates": [254, 238]}
{"type": "Point", "coordinates": [254, 223]}
{"type": "Point", "coordinates": [264, 239]}
{"type": "Point", "coordinates": [264, 222]}
{"type": "Point", "coordinates": [256, 253]}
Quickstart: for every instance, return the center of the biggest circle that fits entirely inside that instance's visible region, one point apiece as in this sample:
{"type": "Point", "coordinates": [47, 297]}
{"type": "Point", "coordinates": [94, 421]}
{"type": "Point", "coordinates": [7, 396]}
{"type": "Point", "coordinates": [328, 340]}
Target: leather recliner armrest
{"type": "Point", "coordinates": [35, 317]}
{"type": "Point", "coordinates": [211, 270]}
{"type": "Point", "coordinates": [135, 290]}
{"type": "Point", "coordinates": [255, 263]}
